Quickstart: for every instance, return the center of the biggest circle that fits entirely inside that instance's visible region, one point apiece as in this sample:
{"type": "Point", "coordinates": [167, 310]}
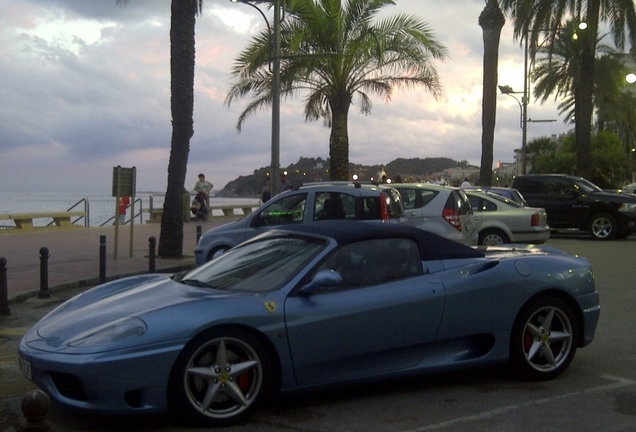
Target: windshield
{"type": "Point", "coordinates": [587, 186]}
{"type": "Point", "coordinates": [259, 266]}
{"type": "Point", "coordinates": [495, 195]}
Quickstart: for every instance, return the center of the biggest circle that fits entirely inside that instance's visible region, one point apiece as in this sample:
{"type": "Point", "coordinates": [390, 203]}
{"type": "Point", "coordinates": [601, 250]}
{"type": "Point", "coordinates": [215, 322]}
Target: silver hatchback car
{"type": "Point", "coordinates": [309, 203]}
{"type": "Point", "coordinates": [443, 210]}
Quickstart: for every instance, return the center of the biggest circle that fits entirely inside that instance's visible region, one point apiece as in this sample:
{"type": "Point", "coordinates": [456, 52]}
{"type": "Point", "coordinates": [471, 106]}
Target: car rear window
{"type": "Point", "coordinates": [460, 201]}
{"type": "Point", "coordinates": [393, 203]}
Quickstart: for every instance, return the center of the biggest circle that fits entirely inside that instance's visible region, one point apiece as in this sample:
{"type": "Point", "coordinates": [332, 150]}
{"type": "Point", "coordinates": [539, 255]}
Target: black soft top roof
{"type": "Point", "coordinates": [431, 246]}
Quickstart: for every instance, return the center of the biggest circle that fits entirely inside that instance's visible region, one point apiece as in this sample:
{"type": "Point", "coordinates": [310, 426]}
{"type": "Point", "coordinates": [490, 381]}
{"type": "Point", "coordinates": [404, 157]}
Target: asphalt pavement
{"type": "Point", "coordinates": [598, 392]}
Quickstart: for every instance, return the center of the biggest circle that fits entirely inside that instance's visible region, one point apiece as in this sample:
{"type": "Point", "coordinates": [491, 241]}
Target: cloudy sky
{"type": "Point", "coordinates": [85, 87]}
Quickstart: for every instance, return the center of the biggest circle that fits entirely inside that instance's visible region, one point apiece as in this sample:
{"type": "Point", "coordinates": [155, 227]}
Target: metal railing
{"type": "Point", "coordinates": [86, 212]}
{"type": "Point", "coordinates": [139, 215]}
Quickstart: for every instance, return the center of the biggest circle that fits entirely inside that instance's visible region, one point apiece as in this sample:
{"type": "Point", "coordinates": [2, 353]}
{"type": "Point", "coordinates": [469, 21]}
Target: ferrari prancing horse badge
{"type": "Point", "coordinates": [270, 306]}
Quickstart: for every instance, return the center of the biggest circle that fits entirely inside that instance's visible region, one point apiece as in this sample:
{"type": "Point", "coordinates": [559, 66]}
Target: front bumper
{"type": "Point", "coordinates": [119, 382]}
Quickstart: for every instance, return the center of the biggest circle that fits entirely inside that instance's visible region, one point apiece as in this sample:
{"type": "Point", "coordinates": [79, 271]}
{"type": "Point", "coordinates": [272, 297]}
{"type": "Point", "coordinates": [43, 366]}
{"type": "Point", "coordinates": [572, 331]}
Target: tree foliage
{"type": "Point", "coordinates": [539, 19]}
{"type": "Point", "coordinates": [335, 52]}
{"type": "Point", "coordinates": [610, 167]}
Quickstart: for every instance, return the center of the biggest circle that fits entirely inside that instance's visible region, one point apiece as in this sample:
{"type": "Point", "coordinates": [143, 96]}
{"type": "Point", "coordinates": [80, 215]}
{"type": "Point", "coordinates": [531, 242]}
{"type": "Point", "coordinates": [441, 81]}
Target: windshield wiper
{"type": "Point", "coordinates": [196, 283]}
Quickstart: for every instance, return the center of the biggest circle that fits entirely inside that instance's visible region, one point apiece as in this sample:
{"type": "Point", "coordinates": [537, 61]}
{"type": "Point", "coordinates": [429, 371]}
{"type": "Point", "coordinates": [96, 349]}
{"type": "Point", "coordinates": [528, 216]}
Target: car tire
{"type": "Point", "coordinates": [603, 226]}
{"type": "Point", "coordinates": [493, 237]}
{"type": "Point", "coordinates": [217, 252]}
{"type": "Point", "coordinates": [544, 339]}
{"type": "Point", "coordinates": [219, 378]}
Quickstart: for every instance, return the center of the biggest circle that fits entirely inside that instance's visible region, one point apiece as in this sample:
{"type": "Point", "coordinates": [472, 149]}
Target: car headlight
{"type": "Point", "coordinates": [627, 208]}
{"type": "Point", "coordinates": [117, 331]}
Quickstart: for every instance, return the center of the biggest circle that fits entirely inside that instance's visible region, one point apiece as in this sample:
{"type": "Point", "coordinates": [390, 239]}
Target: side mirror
{"type": "Point", "coordinates": [323, 279]}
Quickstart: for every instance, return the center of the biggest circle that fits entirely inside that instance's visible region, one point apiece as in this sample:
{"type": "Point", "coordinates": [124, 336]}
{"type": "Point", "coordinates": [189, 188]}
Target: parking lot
{"type": "Point", "coordinates": [596, 393]}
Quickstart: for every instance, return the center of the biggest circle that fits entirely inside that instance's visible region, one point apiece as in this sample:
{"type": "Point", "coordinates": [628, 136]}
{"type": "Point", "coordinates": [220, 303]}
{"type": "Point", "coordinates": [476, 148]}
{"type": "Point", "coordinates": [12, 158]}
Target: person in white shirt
{"type": "Point", "coordinates": [465, 183]}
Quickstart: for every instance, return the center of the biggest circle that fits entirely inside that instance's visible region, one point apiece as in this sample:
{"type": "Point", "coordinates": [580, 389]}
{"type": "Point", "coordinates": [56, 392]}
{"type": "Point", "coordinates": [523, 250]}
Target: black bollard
{"type": "Point", "coordinates": [102, 259]}
{"type": "Point", "coordinates": [198, 233]}
{"type": "Point", "coordinates": [151, 255]}
{"type": "Point", "coordinates": [36, 406]}
{"type": "Point", "coordinates": [4, 290]}
{"type": "Point", "coordinates": [44, 274]}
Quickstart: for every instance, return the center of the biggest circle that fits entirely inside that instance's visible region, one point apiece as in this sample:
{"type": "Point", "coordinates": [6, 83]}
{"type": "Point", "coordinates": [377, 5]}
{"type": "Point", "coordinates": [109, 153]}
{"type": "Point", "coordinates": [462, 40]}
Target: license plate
{"type": "Point", "coordinates": [25, 367]}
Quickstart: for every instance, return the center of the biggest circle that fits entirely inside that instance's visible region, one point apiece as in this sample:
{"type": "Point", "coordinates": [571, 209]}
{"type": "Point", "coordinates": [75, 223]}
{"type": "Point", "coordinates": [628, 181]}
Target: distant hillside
{"type": "Point", "coordinates": [306, 169]}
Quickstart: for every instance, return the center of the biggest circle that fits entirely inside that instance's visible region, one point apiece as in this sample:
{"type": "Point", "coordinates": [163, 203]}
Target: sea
{"type": "Point", "coordinates": [100, 209]}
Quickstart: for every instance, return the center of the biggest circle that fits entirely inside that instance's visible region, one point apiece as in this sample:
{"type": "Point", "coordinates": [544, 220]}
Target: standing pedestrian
{"type": "Point", "coordinates": [203, 188]}
{"type": "Point", "coordinates": [124, 202]}
{"type": "Point", "coordinates": [266, 194]}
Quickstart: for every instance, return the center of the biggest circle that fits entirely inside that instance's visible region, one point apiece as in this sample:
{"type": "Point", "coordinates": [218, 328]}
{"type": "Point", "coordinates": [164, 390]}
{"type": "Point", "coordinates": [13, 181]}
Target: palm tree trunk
{"type": "Point", "coordinates": [584, 108]}
{"type": "Point", "coordinates": [182, 105]}
{"type": "Point", "coordinates": [339, 143]}
{"type": "Point", "coordinates": [491, 21]}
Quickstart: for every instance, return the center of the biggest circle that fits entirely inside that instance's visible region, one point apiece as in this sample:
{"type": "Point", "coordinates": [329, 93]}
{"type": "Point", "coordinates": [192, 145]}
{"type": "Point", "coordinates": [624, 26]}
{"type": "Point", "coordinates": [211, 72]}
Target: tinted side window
{"type": "Point", "coordinates": [334, 205]}
{"type": "Point", "coordinates": [371, 208]}
{"type": "Point", "coordinates": [530, 185]}
{"type": "Point", "coordinates": [561, 187]}
{"type": "Point", "coordinates": [416, 198]}
{"type": "Point", "coordinates": [482, 205]}
{"type": "Point", "coordinates": [374, 262]}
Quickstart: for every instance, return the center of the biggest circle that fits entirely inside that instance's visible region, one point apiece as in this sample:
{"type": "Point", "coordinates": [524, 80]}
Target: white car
{"type": "Point", "coordinates": [499, 220]}
{"type": "Point", "coordinates": [630, 189]}
{"type": "Point", "coordinates": [443, 210]}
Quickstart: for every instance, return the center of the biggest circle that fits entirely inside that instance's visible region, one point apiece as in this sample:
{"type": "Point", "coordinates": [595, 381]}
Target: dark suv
{"type": "Point", "coordinates": [309, 203]}
{"type": "Point", "coordinates": [574, 203]}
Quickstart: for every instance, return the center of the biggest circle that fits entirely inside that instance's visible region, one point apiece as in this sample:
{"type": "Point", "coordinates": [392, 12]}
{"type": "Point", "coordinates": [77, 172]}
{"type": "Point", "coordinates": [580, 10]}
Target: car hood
{"type": "Point", "coordinates": [612, 197]}
{"type": "Point", "coordinates": [155, 301]}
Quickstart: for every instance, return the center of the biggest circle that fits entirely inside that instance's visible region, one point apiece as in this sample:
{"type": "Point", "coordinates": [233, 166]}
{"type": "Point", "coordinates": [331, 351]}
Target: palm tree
{"type": "Point", "coordinates": [182, 21]}
{"type": "Point", "coordinates": [533, 18]}
{"type": "Point", "coordinates": [334, 52]}
{"type": "Point", "coordinates": [491, 21]}
{"type": "Point", "coordinates": [557, 72]}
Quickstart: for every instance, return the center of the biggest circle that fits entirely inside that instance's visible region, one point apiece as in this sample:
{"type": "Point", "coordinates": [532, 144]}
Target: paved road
{"type": "Point", "coordinates": [597, 393]}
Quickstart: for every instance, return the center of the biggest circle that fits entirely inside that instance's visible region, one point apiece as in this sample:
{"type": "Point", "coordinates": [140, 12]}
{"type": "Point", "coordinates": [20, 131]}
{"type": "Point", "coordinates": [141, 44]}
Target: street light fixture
{"type": "Point", "coordinates": [274, 59]}
{"type": "Point", "coordinates": [630, 78]}
{"type": "Point", "coordinates": [523, 121]}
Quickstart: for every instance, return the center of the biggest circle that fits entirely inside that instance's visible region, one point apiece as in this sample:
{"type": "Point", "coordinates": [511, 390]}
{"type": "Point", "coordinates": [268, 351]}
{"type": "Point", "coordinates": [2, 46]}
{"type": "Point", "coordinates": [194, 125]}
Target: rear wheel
{"type": "Point", "coordinates": [493, 237]}
{"type": "Point", "coordinates": [219, 378]}
{"type": "Point", "coordinates": [603, 226]}
{"type": "Point", "coordinates": [543, 340]}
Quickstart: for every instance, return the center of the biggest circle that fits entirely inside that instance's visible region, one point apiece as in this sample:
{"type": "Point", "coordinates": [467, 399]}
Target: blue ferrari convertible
{"type": "Point", "coordinates": [311, 305]}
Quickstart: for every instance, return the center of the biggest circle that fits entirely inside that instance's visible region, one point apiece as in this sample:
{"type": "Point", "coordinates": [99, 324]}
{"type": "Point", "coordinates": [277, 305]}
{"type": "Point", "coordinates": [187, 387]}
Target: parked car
{"type": "Point", "coordinates": [510, 193]}
{"type": "Point", "coordinates": [443, 210]}
{"type": "Point", "coordinates": [575, 203]}
{"type": "Point", "coordinates": [499, 220]}
{"type": "Point", "coordinates": [310, 305]}
{"type": "Point", "coordinates": [630, 189]}
{"type": "Point", "coordinates": [306, 204]}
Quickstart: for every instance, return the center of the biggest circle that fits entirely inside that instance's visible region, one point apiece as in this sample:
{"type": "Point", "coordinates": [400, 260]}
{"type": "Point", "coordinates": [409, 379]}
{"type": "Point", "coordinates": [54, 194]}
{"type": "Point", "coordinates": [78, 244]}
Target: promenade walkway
{"type": "Point", "coordinates": [74, 255]}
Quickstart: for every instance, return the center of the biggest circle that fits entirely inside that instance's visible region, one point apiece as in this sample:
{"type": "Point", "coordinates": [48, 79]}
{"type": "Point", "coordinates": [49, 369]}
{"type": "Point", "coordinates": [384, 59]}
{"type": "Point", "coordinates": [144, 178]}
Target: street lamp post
{"type": "Point", "coordinates": [274, 58]}
{"type": "Point", "coordinates": [523, 120]}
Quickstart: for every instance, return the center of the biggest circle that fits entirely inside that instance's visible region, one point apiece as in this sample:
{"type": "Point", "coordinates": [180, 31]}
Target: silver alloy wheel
{"type": "Point", "coordinates": [223, 378]}
{"type": "Point", "coordinates": [547, 339]}
{"type": "Point", "coordinates": [602, 227]}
